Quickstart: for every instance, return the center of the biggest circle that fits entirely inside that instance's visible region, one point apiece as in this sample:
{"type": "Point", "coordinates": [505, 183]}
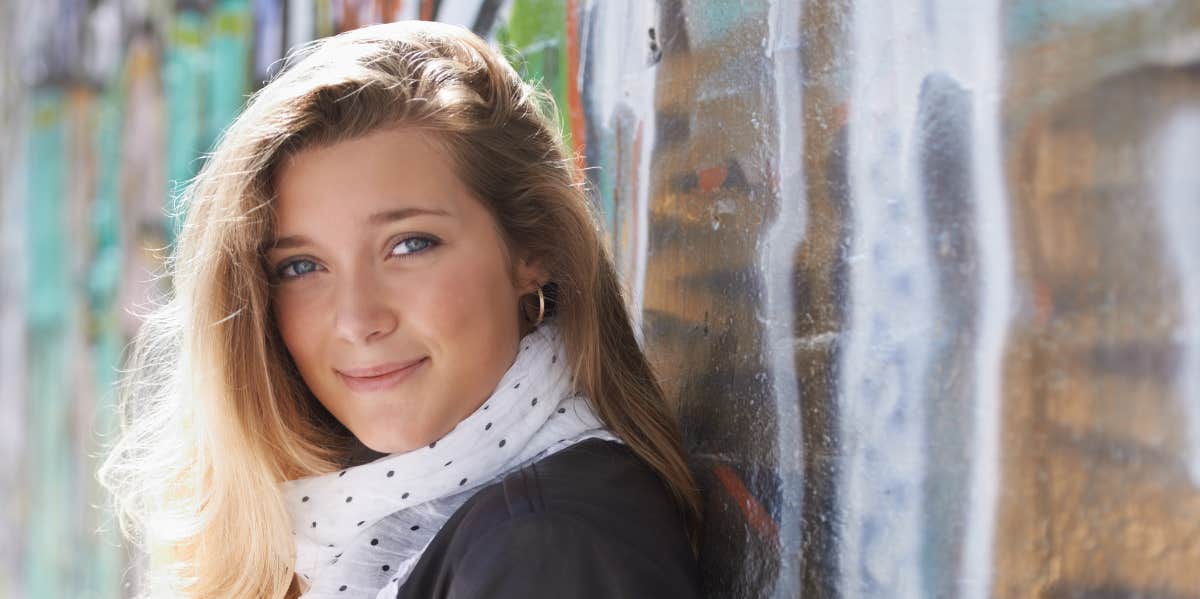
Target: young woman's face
{"type": "Point", "coordinates": [391, 287]}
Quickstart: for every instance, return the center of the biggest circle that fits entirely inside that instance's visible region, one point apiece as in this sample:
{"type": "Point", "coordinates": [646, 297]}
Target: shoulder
{"type": "Point", "coordinates": [595, 481]}
{"type": "Point", "coordinates": [590, 520]}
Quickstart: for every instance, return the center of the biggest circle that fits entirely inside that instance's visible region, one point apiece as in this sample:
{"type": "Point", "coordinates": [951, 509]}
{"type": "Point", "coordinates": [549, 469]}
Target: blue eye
{"type": "Point", "coordinates": [297, 268]}
{"type": "Point", "coordinates": [412, 245]}
{"type": "Point", "coordinates": [407, 247]}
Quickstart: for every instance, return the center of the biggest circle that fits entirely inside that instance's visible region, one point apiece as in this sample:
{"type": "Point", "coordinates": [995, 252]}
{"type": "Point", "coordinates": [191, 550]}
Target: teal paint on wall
{"type": "Point", "coordinates": [229, 74]}
{"type": "Point", "coordinates": [184, 66]}
{"type": "Point", "coordinates": [49, 537]}
{"type": "Point", "coordinates": [206, 75]}
{"type": "Point", "coordinates": [101, 572]}
{"type": "Point", "coordinates": [47, 288]}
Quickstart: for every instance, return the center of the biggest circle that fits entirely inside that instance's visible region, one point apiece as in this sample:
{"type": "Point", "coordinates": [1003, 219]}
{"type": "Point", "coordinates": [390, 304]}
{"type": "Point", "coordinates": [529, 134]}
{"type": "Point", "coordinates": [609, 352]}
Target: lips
{"type": "Point", "coordinates": [377, 370]}
{"type": "Point", "coordinates": [379, 377]}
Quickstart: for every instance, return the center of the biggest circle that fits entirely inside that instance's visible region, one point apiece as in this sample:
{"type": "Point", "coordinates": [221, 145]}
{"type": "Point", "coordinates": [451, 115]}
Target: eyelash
{"type": "Point", "coordinates": [432, 243]}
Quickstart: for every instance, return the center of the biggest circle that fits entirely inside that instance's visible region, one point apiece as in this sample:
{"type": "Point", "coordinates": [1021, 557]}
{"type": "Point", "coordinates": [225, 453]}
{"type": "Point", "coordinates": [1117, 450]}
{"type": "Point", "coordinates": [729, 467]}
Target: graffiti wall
{"type": "Point", "coordinates": [921, 277]}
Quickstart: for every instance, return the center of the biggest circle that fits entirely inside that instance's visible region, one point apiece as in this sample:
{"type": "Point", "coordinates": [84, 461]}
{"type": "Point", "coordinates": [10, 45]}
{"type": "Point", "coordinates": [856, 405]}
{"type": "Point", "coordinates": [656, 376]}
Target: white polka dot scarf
{"type": "Point", "coordinates": [359, 531]}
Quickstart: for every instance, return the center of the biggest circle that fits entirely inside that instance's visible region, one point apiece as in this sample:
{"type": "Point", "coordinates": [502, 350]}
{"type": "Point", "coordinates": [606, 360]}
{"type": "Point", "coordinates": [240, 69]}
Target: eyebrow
{"type": "Point", "coordinates": [379, 218]}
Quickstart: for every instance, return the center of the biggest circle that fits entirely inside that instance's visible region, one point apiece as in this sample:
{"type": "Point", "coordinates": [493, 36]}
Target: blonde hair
{"type": "Point", "coordinates": [215, 415]}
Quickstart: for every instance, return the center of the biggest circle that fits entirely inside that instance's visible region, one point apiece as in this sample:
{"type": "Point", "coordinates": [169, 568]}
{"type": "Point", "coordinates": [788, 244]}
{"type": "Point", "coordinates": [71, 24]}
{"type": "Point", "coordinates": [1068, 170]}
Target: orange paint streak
{"type": "Point", "coordinates": [574, 100]}
{"type": "Point", "coordinates": [754, 512]}
{"type": "Point", "coordinates": [349, 16]}
{"type": "Point", "coordinates": [389, 10]}
{"type": "Point", "coordinates": [711, 178]}
{"type": "Point", "coordinates": [1043, 303]}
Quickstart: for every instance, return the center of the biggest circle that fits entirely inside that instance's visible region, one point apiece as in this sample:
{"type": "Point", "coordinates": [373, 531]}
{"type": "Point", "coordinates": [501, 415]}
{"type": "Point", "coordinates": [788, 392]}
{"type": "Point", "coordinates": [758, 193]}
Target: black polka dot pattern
{"type": "Point", "coordinates": [375, 518]}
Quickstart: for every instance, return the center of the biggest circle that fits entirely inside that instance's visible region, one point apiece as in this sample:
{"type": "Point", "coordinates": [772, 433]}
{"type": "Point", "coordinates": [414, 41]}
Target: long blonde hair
{"type": "Point", "coordinates": [215, 415]}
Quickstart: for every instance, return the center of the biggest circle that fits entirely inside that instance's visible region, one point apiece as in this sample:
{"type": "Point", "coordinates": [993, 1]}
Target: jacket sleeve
{"type": "Point", "coordinates": [553, 555]}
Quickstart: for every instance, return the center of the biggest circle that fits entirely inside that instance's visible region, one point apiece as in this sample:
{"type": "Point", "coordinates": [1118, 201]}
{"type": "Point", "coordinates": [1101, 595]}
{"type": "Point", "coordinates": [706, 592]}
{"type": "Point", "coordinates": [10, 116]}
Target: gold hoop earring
{"type": "Point", "coordinates": [541, 306]}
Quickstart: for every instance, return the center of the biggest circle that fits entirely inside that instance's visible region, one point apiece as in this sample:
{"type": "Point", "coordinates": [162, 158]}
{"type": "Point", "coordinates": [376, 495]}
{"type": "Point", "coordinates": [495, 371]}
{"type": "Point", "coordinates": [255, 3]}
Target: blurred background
{"type": "Point", "coordinates": [922, 277]}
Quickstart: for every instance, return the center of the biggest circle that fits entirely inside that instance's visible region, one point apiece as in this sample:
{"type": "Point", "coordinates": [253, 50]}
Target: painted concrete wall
{"type": "Point", "coordinates": [922, 277]}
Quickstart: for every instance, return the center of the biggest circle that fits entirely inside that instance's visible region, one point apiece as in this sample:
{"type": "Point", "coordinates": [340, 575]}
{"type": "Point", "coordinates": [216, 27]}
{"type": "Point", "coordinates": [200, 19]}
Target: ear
{"type": "Point", "coordinates": [530, 274]}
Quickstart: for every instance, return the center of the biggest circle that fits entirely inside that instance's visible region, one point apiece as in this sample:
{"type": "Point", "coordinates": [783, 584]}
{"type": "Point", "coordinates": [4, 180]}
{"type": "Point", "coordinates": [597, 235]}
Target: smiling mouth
{"type": "Point", "coordinates": [379, 381]}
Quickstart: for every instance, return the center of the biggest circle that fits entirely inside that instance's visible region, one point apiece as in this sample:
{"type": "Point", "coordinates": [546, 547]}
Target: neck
{"type": "Point", "coordinates": [359, 454]}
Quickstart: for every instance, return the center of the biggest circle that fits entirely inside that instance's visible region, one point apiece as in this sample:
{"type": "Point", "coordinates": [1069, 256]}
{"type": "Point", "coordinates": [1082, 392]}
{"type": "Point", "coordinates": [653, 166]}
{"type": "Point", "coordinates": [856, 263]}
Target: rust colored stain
{"type": "Point", "coordinates": [841, 114]}
{"type": "Point", "coordinates": [349, 17]}
{"type": "Point", "coordinates": [391, 9]}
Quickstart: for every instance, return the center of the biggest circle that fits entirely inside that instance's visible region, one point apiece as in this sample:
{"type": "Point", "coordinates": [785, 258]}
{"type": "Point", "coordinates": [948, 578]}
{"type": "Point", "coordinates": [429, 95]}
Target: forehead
{"type": "Point", "coordinates": [385, 170]}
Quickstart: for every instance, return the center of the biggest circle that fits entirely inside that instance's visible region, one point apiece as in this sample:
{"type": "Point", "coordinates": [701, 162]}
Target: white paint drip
{"type": "Point", "coordinates": [777, 251]}
{"type": "Point", "coordinates": [995, 296]}
{"type": "Point", "coordinates": [891, 312]}
{"type": "Point", "coordinates": [1178, 195]}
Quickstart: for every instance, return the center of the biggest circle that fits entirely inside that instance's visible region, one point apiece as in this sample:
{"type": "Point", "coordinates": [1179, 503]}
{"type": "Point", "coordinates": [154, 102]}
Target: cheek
{"type": "Point", "coordinates": [297, 328]}
{"type": "Point", "coordinates": [470, 297]}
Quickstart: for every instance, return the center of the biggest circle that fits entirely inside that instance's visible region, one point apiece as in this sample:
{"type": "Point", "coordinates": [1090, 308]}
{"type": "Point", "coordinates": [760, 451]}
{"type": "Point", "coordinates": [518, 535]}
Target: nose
{"type": "Point", "coordinates": [362, 312]}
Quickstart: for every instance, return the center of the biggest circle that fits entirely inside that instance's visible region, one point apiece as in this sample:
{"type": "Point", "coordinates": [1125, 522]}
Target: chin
{"type": "Point", "coordinates": [388, 441]}
{"type": "Point", "coordinates": [382, 444]}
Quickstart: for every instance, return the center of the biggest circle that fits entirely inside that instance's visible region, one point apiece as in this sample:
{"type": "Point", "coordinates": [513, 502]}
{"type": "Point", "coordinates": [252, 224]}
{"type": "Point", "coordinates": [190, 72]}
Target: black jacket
{"type": "Point", "coordinates": [589, 521]}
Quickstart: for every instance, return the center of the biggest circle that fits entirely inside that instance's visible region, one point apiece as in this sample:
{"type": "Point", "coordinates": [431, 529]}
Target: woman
{"type": "Point", "coordinates": [397, 362]}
